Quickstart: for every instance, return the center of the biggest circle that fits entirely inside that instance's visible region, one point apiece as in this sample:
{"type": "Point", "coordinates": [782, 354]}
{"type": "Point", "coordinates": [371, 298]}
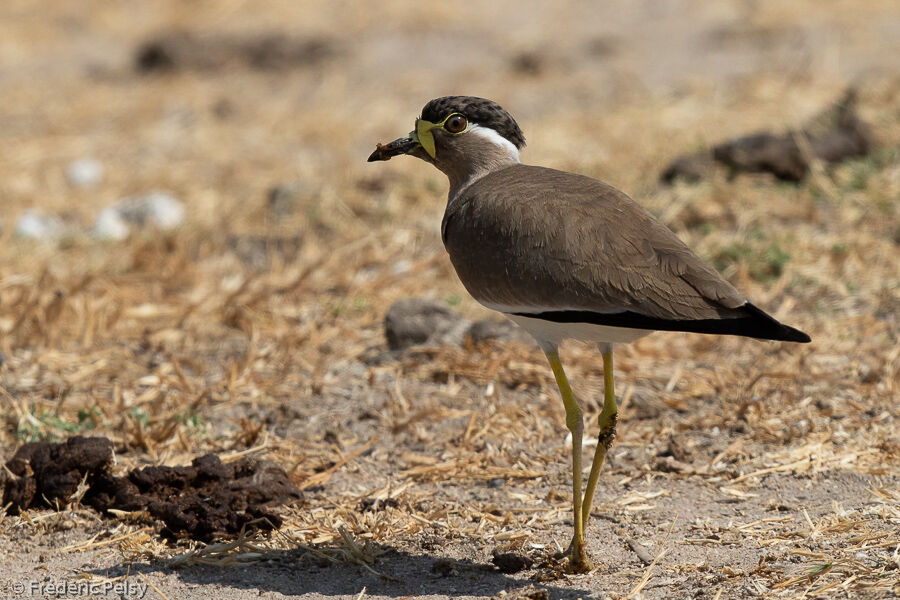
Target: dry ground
{"type": "Point", "coordinates": [742, 469]}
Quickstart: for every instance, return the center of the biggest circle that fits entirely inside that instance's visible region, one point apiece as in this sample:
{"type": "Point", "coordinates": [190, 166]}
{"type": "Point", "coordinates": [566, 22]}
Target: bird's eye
{"type": "Point", "coordinates": [455, 124]}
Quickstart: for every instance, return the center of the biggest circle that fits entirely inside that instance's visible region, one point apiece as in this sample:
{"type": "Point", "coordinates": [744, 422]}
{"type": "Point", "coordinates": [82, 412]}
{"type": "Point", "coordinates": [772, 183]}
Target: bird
{"type": "Point", "coordinates": [566, 256]}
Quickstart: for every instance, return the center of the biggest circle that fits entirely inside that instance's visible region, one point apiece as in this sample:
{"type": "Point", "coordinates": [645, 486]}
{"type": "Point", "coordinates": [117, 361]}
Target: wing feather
{"type": "Point", "coordinates": [536, 237]}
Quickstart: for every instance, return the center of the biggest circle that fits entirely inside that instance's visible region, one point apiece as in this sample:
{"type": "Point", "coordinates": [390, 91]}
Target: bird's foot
{"type": "Point", "coordinates": [577, 560]}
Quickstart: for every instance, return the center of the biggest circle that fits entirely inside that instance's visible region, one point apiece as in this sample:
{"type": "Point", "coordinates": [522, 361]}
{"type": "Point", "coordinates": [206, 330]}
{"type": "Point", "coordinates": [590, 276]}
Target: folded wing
{"type": "Point", "coordinates": [601, 258]}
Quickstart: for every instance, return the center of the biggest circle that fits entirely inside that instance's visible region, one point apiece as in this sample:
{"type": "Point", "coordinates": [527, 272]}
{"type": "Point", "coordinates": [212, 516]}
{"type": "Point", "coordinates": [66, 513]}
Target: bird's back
{"type": "Point", "coordinates": [536, 240]}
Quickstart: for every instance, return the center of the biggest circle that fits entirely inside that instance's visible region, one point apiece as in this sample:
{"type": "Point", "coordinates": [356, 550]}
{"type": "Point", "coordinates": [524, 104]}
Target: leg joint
{"type": "Point", "coordinates": [607, 430]}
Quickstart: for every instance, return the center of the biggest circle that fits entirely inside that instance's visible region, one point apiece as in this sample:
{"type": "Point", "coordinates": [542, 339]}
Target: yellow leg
{"type": "Point", "coordinates": [578, 560]}
{"type": "Point", "coordinates": [608, 417]}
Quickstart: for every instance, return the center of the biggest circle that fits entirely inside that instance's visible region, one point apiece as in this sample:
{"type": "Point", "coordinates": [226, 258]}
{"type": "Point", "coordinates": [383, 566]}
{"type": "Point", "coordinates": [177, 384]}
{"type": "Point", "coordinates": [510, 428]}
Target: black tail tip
{"type": "Point", "coordinates": [771, 329]}
{"type": "Point", "coordinates": [795, 335]}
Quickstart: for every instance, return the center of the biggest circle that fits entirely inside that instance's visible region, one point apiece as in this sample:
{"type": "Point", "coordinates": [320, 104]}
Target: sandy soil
{"type": "Point", "coordinates": [741, 469]}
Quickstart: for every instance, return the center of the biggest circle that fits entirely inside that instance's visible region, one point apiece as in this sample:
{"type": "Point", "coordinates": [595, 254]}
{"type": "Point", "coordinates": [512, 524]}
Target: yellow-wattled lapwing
{"type": "Point", "coordinates": [567, 256]}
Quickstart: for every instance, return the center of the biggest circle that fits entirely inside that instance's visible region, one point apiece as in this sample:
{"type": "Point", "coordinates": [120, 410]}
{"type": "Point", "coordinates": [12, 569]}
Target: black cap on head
{"type": "Point", "coordinates": [477, 110]}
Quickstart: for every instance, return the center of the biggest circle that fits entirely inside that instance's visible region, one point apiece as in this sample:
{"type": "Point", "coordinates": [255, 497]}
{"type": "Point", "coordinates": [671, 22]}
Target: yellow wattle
{"type": "Point", "coordinates": [425, 137]}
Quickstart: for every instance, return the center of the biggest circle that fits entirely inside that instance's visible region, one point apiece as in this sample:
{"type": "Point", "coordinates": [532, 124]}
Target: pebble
{"type": "Point", "coordinates": [84, 172]}
{"type": "Point", "coordinates": [412, 321]}
{"type": "Point", "coordinates": [156, 209]}
{"type": "Point", "coordinates": [499, 330]}
{"type": "Point", "coordinates": [38, 225]}
{"type": "Point", "coordinates": [510, 562]}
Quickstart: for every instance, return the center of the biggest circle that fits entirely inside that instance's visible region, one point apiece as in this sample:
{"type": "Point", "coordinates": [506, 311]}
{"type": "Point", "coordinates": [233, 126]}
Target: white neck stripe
{"type": "Point", "coordinates": [494, 137]}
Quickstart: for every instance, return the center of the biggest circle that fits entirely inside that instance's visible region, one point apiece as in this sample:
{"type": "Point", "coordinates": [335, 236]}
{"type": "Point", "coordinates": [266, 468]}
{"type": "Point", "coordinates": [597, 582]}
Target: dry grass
{"type": "Point", "coordinates": [249, 331]}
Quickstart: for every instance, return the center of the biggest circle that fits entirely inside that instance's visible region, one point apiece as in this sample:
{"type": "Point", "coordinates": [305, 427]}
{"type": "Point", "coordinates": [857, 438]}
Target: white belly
{"type": "Point", "coordinates": [553, 333]}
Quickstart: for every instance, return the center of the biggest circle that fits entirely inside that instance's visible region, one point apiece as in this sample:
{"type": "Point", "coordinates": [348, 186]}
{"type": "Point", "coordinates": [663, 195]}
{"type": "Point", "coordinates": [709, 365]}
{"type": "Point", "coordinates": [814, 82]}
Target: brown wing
{"type": "Point", "coordinates": [543, 239]}
{"type": "Point", "coordinates": [571, 249]}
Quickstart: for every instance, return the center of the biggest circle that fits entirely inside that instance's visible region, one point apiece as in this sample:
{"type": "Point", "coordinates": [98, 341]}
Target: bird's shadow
{"type": "Point", "coordinates": [395, 574]}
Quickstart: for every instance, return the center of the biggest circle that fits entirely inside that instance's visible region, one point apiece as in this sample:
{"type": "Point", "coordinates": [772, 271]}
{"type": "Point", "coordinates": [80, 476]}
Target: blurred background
{"type": "Point", "coordinates": [194, 254]}
{"type": "Point", "coordinates": [217, 101]}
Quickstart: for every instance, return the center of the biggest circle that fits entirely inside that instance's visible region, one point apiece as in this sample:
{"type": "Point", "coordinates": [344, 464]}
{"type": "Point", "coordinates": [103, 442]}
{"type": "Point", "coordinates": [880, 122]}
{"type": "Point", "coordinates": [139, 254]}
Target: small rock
{"type": "Point", "coordinates": [679, 446]}
{"type": "Point", "coordinates": [640, 550]}
{"type": "Point", "coordinates": [84, 172]}
{"type": "Point", "coordinates": [510, 562]}
{"type": "Point", "coordinates": [444, 567]}
{"type": "Point", "coordinates": [834, 135]}
{"type": "Point", "coordinates": [528, 63]}
{"type": "Point", "coordinates": [376, 505]}
{"type": "Point", "coordinates": [414, 321]}
{"type": "Point", "coordinates": [691, 168]}
{"type": "Point", "coordinates": [212, 52]}
{"type": "Point", "coordinates": [156, 209]}
{"type": "Point", "coordinates": [38, 225]}
{"type": "Point", "coordinates": [111, 225]}
{"type": "Point", "coordinates": [670, 464]}
{"type": "Point", "coordinates": [763, 152]}
{"type": "Point", "coordinates": [491, 329]}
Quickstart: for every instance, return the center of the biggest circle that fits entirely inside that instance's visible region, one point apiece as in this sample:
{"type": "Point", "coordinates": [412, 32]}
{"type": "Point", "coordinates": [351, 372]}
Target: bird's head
{"type": "Point", "coordinates": [462, 136]}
